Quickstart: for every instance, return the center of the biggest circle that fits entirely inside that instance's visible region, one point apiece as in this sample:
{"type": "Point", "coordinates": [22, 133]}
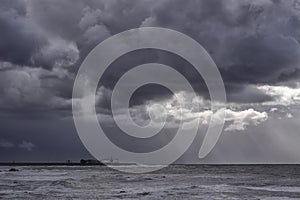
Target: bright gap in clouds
{"type": "Point", "coordinates": [236, 120]}
{"type": "Point", "coordinates": [282, 95]}
{"type": "Point", "coordinates": [239, 117]}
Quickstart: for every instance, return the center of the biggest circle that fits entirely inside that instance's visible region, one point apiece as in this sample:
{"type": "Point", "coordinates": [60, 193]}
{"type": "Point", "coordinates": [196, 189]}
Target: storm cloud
{"type": "Point", "coordinates": [255, 44]}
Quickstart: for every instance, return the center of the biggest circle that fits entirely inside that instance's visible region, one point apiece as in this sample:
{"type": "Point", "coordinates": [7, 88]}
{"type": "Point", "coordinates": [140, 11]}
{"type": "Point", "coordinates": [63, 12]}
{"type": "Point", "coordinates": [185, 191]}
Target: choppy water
{"type": "Point", "coordinates": [174, 182]}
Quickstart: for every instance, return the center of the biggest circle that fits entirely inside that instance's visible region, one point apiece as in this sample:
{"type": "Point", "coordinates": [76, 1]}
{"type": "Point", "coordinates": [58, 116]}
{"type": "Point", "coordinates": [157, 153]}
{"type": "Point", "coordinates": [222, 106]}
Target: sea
{"type": "Point", "coordinates": [207, 182]}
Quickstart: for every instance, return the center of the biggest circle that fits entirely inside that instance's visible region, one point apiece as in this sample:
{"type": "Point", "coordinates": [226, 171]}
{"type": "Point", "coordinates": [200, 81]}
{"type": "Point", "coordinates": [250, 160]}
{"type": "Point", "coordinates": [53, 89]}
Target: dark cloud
{"type": "Point", "coordinates": [34, 93]}
{"type": "Point", "coordinates": [24, 42]}
{"type": "Point", "coordinates": [19, 38]}
{"type": "Point", "coordinates": [262, 58]}
{"type": "Point", "coordinates": [251, 41]}
{"type": "Point", "coordinates": [42, 44]}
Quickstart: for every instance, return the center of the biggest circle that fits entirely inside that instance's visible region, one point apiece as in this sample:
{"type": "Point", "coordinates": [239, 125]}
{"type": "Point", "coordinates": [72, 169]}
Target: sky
{"type": "Point", "coordinates": [254, 43]}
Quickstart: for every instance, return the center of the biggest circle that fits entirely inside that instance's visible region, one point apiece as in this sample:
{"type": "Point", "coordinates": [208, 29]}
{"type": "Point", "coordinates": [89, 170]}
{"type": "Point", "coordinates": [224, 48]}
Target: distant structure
{"type": "Point", "coordinates": [90, 161]}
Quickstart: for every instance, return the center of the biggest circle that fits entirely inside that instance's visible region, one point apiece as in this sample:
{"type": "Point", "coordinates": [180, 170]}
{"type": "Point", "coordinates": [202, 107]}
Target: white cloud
{"type": "Point", "coordinates": [289, 115]}
{"type": "Point", "coordinates": [282, 95]}
{"type": "Point", "coordinates": [236, 120]}
{"type": "Point", "coordinates": [273, 110]}
{"type": "Point", "coordinates": [240, 119]}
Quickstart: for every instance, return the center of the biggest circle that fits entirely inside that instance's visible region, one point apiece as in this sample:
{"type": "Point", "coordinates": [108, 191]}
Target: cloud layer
{"type": "Point", "coordinates": [255, 44]}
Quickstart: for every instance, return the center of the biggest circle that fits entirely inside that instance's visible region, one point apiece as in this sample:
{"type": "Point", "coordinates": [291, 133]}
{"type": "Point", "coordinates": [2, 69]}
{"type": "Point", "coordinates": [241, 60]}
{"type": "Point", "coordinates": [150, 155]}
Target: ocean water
{"type": "Point", "coordinates": [175, 182]}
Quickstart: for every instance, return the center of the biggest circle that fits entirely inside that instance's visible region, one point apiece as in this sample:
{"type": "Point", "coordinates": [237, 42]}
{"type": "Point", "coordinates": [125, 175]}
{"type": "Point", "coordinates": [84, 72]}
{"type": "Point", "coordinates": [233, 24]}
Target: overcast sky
{"type": "Point", "coordinates": [254, 43]}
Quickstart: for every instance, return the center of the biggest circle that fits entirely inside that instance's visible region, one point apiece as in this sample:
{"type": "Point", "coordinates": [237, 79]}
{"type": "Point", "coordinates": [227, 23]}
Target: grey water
{"type": "Point", "coordinates": [174, 182]}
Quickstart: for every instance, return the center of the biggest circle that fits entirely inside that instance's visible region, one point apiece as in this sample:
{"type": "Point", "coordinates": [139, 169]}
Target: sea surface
{"type": "Point", "coordinates": [207, 182]}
